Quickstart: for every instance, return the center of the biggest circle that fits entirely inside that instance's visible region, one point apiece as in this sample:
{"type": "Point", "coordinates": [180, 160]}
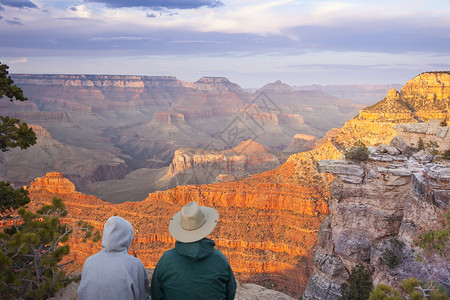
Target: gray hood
{"type": "Point", "coordinates": [112, 273]}
{"type": "Point", "coordinates": [117, 234]}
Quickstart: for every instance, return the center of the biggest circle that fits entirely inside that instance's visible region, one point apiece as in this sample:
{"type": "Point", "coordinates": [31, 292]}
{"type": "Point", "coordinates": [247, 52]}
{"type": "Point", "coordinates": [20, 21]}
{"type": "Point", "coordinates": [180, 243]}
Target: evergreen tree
{"type": "Point", "coordinates": [13, 133]}
{"type": "Point", "coordinates": [420, 145]}
{"type": "Point", "coordinates": [32, 250]}
{"type": "Point", "coordinates": [11, 199]}
{"type": "Point", "coordinates": [360, 284]}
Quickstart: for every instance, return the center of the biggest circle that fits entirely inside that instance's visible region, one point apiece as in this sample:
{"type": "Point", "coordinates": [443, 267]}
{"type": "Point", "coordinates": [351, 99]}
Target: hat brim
{"type": "Point", "coordinates": [190, 236]}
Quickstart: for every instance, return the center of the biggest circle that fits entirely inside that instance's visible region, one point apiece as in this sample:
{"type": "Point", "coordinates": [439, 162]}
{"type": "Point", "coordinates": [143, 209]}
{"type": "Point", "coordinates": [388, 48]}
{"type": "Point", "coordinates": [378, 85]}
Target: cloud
{"type": "Point", "coordinates": [19, 61]}
{"type": "Point", "coordinates": [199, 41]}
{"type": "Point", "coordinates": [158, 4]}
{"type": "Point", "coordinates": [120, 38]}
{"type": "Point", "coordinates": [14, 21]}
{"type": "Point", "coordinates": [18, 3]}
{"type": "Point", "coordinates": [150, 15]}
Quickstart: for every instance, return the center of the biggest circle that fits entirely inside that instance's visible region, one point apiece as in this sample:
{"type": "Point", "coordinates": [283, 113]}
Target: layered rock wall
{"type": "Point", "coordinates": [389, 199]}
{"type": "Point", "coordinates": [429, 132]}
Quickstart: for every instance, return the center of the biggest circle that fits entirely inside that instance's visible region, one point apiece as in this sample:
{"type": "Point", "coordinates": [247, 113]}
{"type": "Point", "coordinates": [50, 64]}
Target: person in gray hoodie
{"type": "Point", "coordinates": [112, 273]}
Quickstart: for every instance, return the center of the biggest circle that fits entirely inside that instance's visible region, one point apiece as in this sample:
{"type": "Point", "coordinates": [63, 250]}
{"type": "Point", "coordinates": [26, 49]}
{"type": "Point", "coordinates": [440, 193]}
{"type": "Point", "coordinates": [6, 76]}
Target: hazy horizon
{"type": "Point", "coordinates": [249, 42]}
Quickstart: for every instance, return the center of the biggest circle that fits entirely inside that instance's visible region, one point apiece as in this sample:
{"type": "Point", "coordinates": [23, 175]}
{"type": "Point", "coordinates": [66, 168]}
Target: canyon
{"type": "Point", "coordinates": [269, 222]}
{"type": "Point", "coordinates": [104, 131]}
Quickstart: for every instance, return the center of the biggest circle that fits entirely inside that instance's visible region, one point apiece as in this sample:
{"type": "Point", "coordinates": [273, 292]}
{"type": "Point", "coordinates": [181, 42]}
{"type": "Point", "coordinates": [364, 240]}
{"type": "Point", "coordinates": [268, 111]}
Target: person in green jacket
{"type": "Point", "coordinates": [193, 269]}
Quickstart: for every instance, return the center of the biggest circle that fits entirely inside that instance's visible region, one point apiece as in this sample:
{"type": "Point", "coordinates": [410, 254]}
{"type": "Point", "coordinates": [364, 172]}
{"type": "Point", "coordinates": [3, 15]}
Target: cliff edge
{"type": "Point", "coordinates": [377, 207]}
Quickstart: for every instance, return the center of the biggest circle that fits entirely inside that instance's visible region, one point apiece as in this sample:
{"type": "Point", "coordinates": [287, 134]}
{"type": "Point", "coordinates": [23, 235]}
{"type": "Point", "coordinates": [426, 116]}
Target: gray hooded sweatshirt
{"type": "Point", "coordinates": [112, 273]}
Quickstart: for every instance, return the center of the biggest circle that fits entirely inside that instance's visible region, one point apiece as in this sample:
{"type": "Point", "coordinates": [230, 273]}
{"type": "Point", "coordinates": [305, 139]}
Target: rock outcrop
{"type": "Point", "coordinates": [197, 166]}
{"type": "Point", "coordinates": [301, 143]}
{"type": "Point", "coordinates": [374, 125]}
{"type": "Point", "coordinates": [429, 132]}
{"type": "Point", "coordinates": [425, 97]}
{"type": "Point", "coordinates": [376, 205]}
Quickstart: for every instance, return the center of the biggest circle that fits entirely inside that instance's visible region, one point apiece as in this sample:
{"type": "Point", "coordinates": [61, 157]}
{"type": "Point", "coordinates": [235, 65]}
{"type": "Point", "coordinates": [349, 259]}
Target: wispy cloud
{"type": "Point", "coordinates": [19, 61]}
{"type": "Point", "coordinates": [120, 38]}
{"type": "Point", "coordinates": [169, 4]}
{"type": "Point", "coordinates": [199, 42]}
{"type": "Point", "coordinates": [18, 3]}
{"type": "Point", "coordinates": [14, 21]}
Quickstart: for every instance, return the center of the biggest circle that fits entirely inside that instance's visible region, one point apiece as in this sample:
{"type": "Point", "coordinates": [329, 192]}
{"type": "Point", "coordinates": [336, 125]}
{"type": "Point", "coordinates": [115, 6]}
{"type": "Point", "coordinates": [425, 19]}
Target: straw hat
{"type": "Point", "coordinates": [193, 222]}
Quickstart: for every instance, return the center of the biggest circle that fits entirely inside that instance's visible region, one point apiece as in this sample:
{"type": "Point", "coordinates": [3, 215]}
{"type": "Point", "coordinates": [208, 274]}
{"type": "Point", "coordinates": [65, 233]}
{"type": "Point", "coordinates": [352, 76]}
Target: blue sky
{"type": "Point", "coordinates": [252, 42]}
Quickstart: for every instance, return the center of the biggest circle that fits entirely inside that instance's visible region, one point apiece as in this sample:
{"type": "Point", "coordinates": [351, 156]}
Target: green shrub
{"type": "Point", "coordinates": [385, 292]}
{"type": "Point", "coordinates": [393, 255]}
{"type": "Point", "coordinates": [420, 145]}
{"type": "Point", "coordinates": [360, 284]}
{"type": "Point", "coordinates": [436, 240]}
{"type": "Point", "coordinates": [432, 147]}
{"type": "Point", "coordinates": [446, 155]}
{"type": "Point", "coordinates": [358, 153]}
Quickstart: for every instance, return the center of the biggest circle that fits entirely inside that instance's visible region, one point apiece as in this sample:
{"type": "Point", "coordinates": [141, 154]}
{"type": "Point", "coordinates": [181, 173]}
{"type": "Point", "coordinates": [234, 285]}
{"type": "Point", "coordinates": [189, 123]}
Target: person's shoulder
{"type": "Point", "coordinates": [220, 256]}
{"type": "Point", "coordinates": [93, 257]}
{"type": "Point", "coordinates": [168, 254]}
{"type": "Point", "coordinates": [133, 259]}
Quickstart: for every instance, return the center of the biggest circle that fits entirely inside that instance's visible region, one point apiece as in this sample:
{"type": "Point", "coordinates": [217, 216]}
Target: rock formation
{"type": "Point", "coordinates": [428, 132]}
{"type": "Point", "coordinates": [375, 206]}
{"type": "Point", "coordinates": [374, 125]}
{"type": "Point", "coordinates": [196, 166]}
{"type": "Point", "coordinates": [301, 143]}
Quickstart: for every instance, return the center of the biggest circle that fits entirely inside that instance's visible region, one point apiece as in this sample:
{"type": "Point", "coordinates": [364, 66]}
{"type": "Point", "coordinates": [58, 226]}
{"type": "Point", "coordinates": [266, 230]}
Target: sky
{"type": "Point", "coordinates": [251, 42]}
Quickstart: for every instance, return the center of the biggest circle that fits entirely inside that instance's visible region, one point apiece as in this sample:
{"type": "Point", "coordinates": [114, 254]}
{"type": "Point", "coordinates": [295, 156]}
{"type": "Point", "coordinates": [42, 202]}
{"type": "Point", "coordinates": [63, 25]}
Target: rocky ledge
{"type": "Point", "coordinates": [247, 291]}
{"type": "Point", "coordinates": [389, 199]}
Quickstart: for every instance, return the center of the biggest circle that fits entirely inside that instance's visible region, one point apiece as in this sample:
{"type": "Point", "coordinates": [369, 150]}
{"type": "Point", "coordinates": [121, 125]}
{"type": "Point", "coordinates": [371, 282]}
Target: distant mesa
{"type": "Point", "coordinates": [249, 147]}
{"type": "Point", "coordinates": [277, 86]}
{"type": "Point", "coordinates": [216, 85]}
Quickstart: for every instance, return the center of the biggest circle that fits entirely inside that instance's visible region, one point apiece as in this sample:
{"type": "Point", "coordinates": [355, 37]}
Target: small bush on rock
{"type": "Point", "coordinates": [360, 284]}
{"type": "Point", "coordinates": [358, 153]}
